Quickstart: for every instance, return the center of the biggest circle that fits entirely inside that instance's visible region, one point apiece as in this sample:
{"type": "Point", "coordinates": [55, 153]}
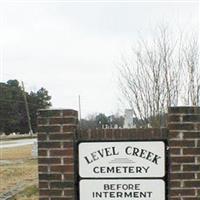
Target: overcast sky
{"type": "Point", "coordinates": [74, 48]}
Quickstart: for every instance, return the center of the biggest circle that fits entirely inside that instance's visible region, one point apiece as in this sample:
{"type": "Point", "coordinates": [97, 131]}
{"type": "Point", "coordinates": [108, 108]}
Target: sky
{"type": "Point", "coordinates": [74, 47]}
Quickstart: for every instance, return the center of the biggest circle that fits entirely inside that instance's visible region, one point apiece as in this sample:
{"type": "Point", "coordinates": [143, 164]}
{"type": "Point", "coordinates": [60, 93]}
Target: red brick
{"type": "Point", "coordinates": [68, 160]}
{"type": "Point", "coordinates": [193, 135]}
{"type": "Point", "coordinates": [49, 113]}
{"type": "Point", "coordinates": [192, 183]}
{"type": "Point", "coordinates": [174, 118]}
{"type": "Point", "coordinates": [68, 144]}
{"type": "Point", "coordinates": [51, 192]}
{"type": "Point", "coordinates": [181, 176]}
{"type": "Point", "coordinates": [63, 121]}
{"type": "Point", "coordinates": [192, 167]}
{"type": "Point", "coordinates": [49, 160]}
{"type": "Point", "coordinates": [49, 177]}
{"type": "Point", "coordinates": [175, 151]}
{"type": "Point", "coordinates": [43, 198]}
{"type": "Point", "coordinates": [42, 136]}
{"type": "Point", "coordinates": [184, 110]}
{"type": "Point", "coordinates": [42, 153]}
{"type": "Point", "coordinates": [49, 145]}
{"type": "Point", "coordinates": [70, 113]}
{"type": "Point", "coordinates": [175, 184]}
{"type": "Point", "coordinates": [175, 167]}
{"type": "Point", "coordinates": [48, 129]}
{"type": "Point", "coordinates": [43, 184]}
{"type": "Point", "coordinates": [69, 176]}
{"type": "Point", "coordinates": [191, 118]}
{"type": "Point", "coordinates": [174, 135]}
{"type": "Point", "coordinates": [69, 192]}
{"type": "Point", "coordinates": [191, 151]}
{"type": "Point", "coordinates": [61, 136]}
{"type": "Point", "coordinates": [58, 152]}
{"type": "Point", "coordinates": [182, 192]}
{"type": "Point", "coordinates": [62, 168]}
{"type": "Point", "coordinates": [181, 143]}
{"type": "Point", "coordinates": [69, 128]}
{"type": "Point", "coordinates": [181, 126]}
{"type": "Point", "coordinates": [182, 159]}
{"type": "Point", "coordinates": [61, 184]}
{"type": "Point", "coordinates": [42, 168]}
{"type": "Point", "coordinates": [43, 121]}
{"type": "Point", "coordinates": [63, 198]}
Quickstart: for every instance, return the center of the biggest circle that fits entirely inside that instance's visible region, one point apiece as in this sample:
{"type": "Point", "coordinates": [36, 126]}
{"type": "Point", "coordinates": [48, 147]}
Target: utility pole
{"type": "Point", "coordinates": [27, 110]}
{"type": "Point", "coordinates": [79, 103]}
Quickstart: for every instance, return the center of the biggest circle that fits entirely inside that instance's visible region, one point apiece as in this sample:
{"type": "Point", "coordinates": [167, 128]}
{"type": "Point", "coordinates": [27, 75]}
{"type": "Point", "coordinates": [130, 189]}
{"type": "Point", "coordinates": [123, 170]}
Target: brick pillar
{"type": "Point", "coordinates": [184, 142]}
{"type": "Point", "coordinates": [56, 132]}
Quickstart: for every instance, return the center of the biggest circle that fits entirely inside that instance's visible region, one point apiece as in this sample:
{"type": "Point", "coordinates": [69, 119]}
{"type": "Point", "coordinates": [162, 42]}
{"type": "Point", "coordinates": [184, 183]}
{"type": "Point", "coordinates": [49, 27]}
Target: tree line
{"type": "Point", "coordinates": [101, 120]}
{"type": "Point", "coordinates": [13, 115]}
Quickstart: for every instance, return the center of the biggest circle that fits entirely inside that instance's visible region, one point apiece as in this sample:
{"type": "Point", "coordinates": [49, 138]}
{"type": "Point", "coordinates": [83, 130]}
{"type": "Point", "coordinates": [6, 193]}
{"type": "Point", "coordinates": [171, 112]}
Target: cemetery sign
{"type": "Point", "coordinates": [124, 170]}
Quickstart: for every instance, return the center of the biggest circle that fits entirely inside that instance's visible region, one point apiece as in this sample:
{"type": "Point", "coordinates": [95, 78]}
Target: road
{"type": "Point", "coordinates": [16, 143]}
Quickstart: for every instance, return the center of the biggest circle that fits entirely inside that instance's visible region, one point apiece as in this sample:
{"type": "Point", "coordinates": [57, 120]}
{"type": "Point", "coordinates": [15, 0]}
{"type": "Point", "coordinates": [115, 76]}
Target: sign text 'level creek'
{"type": "Point", "coordinates": [122, 170]}
{"type": "Point", "coordinates": [122, 159]}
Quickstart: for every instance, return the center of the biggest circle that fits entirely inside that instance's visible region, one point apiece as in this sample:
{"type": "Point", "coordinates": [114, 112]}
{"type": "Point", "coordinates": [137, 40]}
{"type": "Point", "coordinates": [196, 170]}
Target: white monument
{"type": "Point", "coordinates": [128, 118]}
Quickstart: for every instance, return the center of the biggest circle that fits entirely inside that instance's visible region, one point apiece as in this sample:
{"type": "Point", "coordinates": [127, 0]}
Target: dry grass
{"type": "Point", "coordinates": [30, 193]}
{"type": "Point", "coordinates": [21, 170]}
{"type": "Point", "coordinates": [13, 174]}
{"type": "Point", "coordinates": [16, 153]}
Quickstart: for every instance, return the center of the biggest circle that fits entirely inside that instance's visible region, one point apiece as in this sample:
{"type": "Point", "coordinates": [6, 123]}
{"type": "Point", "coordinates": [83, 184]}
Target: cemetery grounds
{"type": "Point", "coordinates": [18, 174]}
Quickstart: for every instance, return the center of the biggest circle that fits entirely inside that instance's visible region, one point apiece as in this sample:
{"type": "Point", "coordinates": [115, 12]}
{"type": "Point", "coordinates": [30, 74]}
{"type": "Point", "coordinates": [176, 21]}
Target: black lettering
{"type": "Point", "coordinates": [94, 156]}
{"type": "Point", "coordinates": [127, 150]}
{"type": "Point", "coordinates": [143, 153]}
{"type": "Point", "coordinates": [95, 170]}
{"type": "Point", "coordinates": [135, 151]}
{"type": "Point", "coordinates": [101, 152]}
{"type": "Point", "coordinates": [114, 151]}
{"type": "Point", "coordinates": [108, 153]}
{"type": "Point", "coordinates": [88, 161]}
{"type": "Point", "coordinates": [138, 169]}
{"type": "Point", "coordinates": [149, 156]}
{"type": "Point", "coordinates": [155, 159]}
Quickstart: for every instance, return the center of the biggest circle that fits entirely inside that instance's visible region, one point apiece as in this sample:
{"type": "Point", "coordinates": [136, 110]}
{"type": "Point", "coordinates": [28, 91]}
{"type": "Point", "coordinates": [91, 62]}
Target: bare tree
{"type": "Point", "coordinates": [191, 92]}
{"type": "Point", "coordinates": [151, 81]}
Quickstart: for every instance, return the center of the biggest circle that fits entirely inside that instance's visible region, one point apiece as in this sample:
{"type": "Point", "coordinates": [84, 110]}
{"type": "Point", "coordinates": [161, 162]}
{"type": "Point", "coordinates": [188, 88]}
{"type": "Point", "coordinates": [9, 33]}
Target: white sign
{"type": "Point", "coordinates": [122, 159]}
{"type": "Point", "coordinates": [122, 189]}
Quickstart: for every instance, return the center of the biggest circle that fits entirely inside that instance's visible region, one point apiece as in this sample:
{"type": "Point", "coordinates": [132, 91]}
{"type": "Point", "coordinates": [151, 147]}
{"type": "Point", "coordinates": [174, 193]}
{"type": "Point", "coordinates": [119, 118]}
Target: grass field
{"type": "Point", "coordinates": [18, 169]}
{"type": "Point", "coordinates": [23, 152]}
{"type": "Point", "coordinates": [30, 193]}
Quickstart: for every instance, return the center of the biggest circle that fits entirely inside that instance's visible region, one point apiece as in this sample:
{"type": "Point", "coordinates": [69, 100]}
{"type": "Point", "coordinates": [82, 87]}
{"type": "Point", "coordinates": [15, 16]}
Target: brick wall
{"type": "Point", "coordinates": [124, 134]}
{"type": "Point", "coordinates": [57, 130]}
{"type": "Point", "coordinates": [184, 141]}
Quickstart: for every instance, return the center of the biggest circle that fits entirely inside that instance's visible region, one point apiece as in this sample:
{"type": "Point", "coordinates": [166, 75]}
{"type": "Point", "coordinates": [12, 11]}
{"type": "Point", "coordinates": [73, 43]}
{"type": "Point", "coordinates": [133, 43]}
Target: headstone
{"type": "Point", "coordinates": [128, 118]}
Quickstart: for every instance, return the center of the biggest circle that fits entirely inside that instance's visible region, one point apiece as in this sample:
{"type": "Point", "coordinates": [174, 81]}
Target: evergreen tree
{"type": "Point", "coordinates": [13, 117]}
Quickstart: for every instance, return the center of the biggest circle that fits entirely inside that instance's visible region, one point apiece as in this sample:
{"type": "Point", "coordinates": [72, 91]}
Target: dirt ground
{"type": "Point", "coordinates": [17, 169]}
